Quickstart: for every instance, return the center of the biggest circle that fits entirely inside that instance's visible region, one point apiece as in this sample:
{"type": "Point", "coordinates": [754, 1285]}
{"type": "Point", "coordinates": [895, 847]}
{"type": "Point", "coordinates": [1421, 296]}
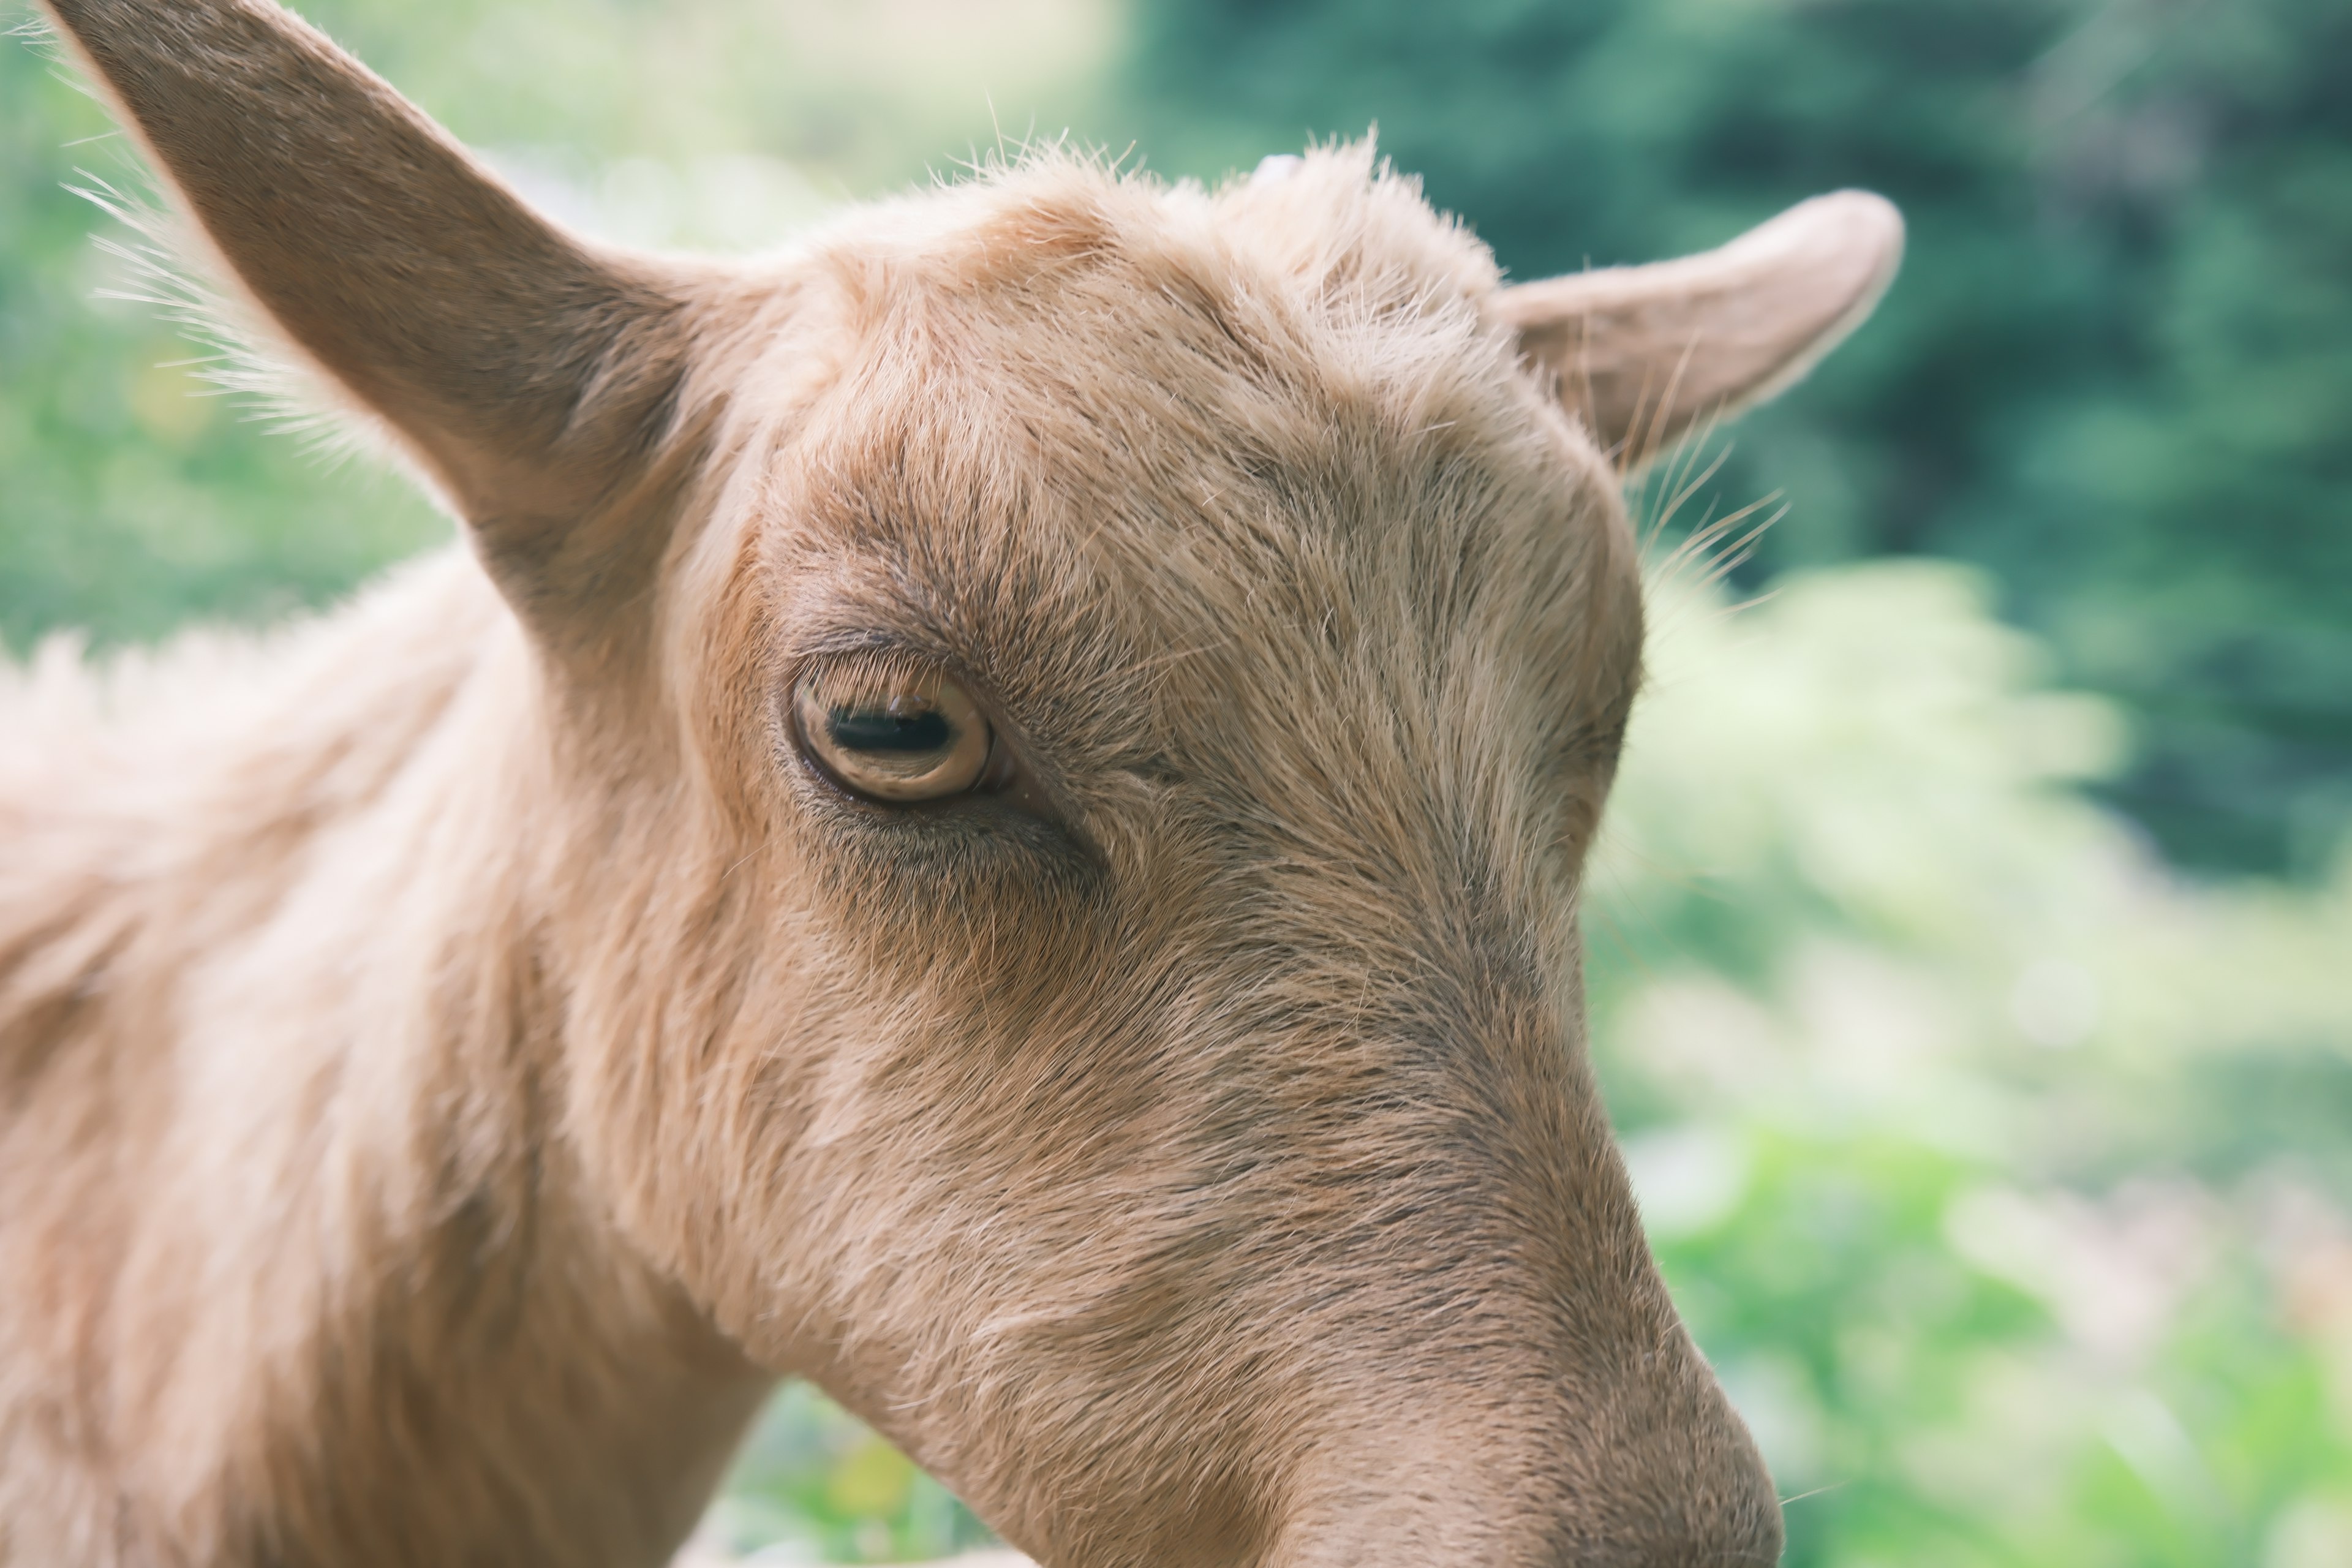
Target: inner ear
{"type": "Point", "coordinates": [1643, 353]}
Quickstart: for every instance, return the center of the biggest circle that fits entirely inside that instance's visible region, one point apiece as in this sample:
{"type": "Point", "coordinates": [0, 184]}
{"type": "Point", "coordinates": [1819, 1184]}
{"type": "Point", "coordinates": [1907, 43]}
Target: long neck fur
{"type": "Point", "coordinates": [299, 1267]}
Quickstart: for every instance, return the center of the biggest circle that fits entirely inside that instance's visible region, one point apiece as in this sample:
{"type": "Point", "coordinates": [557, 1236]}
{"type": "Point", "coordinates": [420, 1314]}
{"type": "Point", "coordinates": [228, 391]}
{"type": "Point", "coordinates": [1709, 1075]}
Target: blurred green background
{"type": "Point", "coordinates": [1973, 923]}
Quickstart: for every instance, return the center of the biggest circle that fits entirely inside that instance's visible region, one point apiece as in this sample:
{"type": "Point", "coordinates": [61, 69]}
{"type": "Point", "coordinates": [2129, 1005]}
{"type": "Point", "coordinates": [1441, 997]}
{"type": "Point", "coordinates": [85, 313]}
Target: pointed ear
{"type": "Point", "coordinates": [532, 376]}
{"type": "Point", "coordinates": [1642, 353]}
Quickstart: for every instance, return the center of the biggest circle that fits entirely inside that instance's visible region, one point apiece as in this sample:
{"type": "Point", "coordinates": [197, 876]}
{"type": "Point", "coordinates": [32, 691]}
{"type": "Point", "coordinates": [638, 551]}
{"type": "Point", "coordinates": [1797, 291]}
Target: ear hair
{"type": "Point", "coordinates": [532, 376]}
{"type": "Point", "coordinates": [1642, 353]}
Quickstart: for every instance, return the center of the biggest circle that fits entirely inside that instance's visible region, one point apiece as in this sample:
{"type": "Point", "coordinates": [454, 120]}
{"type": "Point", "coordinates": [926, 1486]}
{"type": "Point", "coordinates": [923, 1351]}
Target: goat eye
{"type": "Point", "coordinates": [895, 735]}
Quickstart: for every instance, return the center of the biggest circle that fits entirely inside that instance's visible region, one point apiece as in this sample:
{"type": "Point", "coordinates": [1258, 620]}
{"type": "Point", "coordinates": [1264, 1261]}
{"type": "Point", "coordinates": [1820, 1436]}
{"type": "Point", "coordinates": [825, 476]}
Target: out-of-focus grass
{"type": "Point", "coordinates": [1932, 1073]}
{"type": "Point", "coordinates": [814, 1483]}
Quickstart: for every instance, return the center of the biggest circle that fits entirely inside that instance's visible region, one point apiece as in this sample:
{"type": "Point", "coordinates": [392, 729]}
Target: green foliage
{"type": "Point", "coordinates": [2112, 372]}
{"type": "Point", "coordinates": [818, 1479]}
{"type": "Point", "coordinates": [1918, 1052]}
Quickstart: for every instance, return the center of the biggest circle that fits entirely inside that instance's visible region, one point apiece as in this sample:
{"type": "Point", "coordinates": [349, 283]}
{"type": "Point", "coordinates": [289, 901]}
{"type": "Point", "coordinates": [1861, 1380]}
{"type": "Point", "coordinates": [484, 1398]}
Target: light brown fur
{"type": "Point", "coordinates": [454, 1055]}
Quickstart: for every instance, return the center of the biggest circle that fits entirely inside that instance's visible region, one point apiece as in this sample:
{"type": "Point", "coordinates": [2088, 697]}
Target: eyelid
{"type": "Point", "coordinates": [1014, 776]}
{"type": "Point", "coordinates": [962, 763]}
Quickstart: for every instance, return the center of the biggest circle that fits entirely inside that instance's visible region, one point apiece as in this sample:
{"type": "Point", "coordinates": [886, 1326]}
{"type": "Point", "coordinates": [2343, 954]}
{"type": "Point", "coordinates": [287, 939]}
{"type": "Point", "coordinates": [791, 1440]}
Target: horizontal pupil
{"type": "Point", "coordinates": [872, 729]}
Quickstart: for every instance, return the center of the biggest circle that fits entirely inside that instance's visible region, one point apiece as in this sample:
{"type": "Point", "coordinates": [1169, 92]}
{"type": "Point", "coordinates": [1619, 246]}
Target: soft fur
{"type": "Point", "coordinates": [457, 1053]}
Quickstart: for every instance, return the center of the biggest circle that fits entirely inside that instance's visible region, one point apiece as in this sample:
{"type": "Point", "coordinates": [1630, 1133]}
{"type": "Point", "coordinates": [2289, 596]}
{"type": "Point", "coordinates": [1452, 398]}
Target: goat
{"type": "Point", "coordinates": [989, 813]}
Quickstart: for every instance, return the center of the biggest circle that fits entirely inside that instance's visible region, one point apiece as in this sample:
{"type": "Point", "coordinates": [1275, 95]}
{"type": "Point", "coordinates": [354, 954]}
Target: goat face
{"type": "Point", "coordinates": [1171, 1113]}
{"type": "Point", "coordinates": [1072, 715]}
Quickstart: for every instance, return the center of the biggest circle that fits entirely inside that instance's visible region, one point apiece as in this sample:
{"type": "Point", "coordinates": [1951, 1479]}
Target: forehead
{"type": "Point", "coordinates": [1250, 427]}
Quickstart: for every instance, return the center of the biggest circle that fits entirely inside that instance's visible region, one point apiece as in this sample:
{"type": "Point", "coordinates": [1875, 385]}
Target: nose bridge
{"type": "Point", "coordinates": [1460, 1486]}
{"type": "Point", "coordinates": [1522, 1391]}
{"type": "Point", "coordinates": [1492, 1370]}
{"type": "Point", "coordinates": [1413, 955]}
{"type": "Point", "coordinates": [1508, 1454]}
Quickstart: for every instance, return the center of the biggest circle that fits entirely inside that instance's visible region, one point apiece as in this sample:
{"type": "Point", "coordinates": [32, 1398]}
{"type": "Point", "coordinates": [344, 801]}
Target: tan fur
{"type": "Point", "coordinates": [456, 1053]}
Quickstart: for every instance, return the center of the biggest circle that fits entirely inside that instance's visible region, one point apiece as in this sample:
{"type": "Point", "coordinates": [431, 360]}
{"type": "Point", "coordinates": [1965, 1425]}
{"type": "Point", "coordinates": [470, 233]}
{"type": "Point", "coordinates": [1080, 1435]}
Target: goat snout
{"type": "Point", "coordinates": [1658, 1474]}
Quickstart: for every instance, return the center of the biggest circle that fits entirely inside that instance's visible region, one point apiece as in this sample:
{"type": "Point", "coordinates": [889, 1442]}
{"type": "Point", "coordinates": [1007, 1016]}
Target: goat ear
{"type": "Point", "coordinates": [532, 376]}
{"type": "Point", "coordinates": [1642, 353]}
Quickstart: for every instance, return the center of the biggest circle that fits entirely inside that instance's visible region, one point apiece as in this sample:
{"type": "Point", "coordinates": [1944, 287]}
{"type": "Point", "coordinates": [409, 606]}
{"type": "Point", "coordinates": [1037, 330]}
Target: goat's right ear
{"type": "Point", "coordinates": [533, 378]}
{"type": "Point", "coordinates": [1645, 353]}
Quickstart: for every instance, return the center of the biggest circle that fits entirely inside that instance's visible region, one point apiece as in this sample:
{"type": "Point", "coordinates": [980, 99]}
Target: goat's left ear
{"type": "Point", "coordinates": [1642, 353]}
{"type": "Point", "coordinates": [535, 376]}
